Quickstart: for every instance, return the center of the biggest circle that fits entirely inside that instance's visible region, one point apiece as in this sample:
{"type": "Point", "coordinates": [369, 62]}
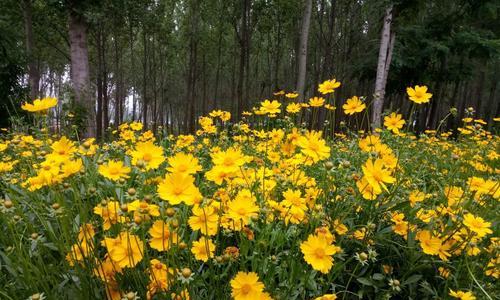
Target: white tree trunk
{"type": "Point", "coordinates": [80, 71]}
{"type": "Point", "coordinates": [384, 62]}
{"type": "Point", "coordinates": [302, 59]}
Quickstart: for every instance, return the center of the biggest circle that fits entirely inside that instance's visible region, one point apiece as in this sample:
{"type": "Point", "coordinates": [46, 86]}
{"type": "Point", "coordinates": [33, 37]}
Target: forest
{"type": "Point", "coordinates": [167, 62]}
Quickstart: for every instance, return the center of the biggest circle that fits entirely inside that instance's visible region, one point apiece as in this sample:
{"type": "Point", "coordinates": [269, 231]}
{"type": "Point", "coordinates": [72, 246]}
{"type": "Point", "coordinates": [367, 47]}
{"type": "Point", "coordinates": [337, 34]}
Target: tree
{"type": "Point", "coordinates": [304, 37]}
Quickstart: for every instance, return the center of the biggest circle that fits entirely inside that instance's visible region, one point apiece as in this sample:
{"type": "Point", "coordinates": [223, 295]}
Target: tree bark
{"type": "Point", "coordinates": [33, 74]}
{"type": "Point", "coordinates": [384, 62]}
{"type": "Point", "coordinates": [80, 70]}
{"type": "Point", "coordinates": [304, 37]}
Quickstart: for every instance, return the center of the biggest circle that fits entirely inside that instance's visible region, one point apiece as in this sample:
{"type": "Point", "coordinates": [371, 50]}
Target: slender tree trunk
{"type": "Point", "coordinates": [304, 37]}
{"type": "Point", "coordinates": [80, 69]}
{"type": "Point", "coordinates": [384, 62]}
{"type": "Point", "coordinates": [99, 83]}
{"type": "Point", "coordinates": [33, 74]}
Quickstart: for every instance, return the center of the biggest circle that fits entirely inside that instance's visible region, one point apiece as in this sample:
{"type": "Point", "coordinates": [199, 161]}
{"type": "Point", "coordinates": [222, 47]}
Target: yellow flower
{"type": "Point", "coordinates": [183, 163]}
{"type": "Point", "coordinates": [246, 286]}
{"type": "Point", "coordinates": [328, 86]}
{"type": "Point", "coordinates": [241, 209]}
{"type": "Point", "coordinates": [366, 190]}
{"type": "Point", "coordinates": [114, 170]}
{"type": "Point", "coordinates": [418, 94]}
{"type": "Point", "coordinates": [40, 106]}
{"type": "Point", "coordinates": [270, 107]}
{"type": "Point", "coordinates": [394, 122]}
{"type": "Point", "coordinates": [293, 108]}
{"type": "Point", "coordinates": [316, 101]}
{"type": "Point", "coordinates": [369, 143]}
{"type": "Point", "coordinates": [147, 155]}
{"type": "Point", "coordinates": [377, 175]}
{"type": "Point", "coordinates": [126, 250]}
{"type": "Point", "coordinates": [204, 219]}
{"type": "Point", "coordinates": [203, 249]}
{"type": "Point", "coordinates": [176, 188]}
{"type": "Point", "coordinates": [318, 253]}
{"type": "Point", "coordinates": [430, 245]}
{"type": "Point", "coordinates": [292, 95]}
{"type": "Point", "coordinates": [231, 159]}
{"type": "Point", "coordinates": [462, 295]}
{"type": "Point", "coordinates": [110, 213]}
{"type": "Point", "coordinates": [62, 149]}
{"type": "Point", "coordinates": [327, 297]}
{"type": "Point", "coordinates": [477, 225]}
{"type": "Point", "coordinates": [162, 237]}
{"type": "Point", "coordinates": [314, 146]}
{"type": "Point", "coordinates": [353, 105]}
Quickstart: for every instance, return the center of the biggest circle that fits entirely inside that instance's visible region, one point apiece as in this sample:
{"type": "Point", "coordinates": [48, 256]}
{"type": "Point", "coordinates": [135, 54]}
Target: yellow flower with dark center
{"type": "Point", "coordinates": [246, 286]}
{"type": "Point", "coordinates": [377, 175]}
{"type": "Point", "coordinates": [147, 155]}
{"type": "Point", "coordinates": [114, 170]}
{"type": "Point", "coordinates": [418, 94]}
{"type": "Point", "coordinates": [62, 149]}
{"type": "Point", "coordinates": [318, 253]}
{"type": "Point", "coordinates": [394, 122]}
{"type": "Point", "coordinates": [176, 188]}
{"type": "Point", "coordinates": [231, 159]}
{"type": "Point", "coordinates": [477, 225]}
{"type": "Point", "coordinates": [40, 106]}
{"type": "Point", "coordinates": [203, 249]}
{"type": "Point", "coordinates": [353, 105]}
{"type": "Point", "coordinates": [162, 237]}
{"type": "Point", "coordinates": [316, 101]}
{"type": "Point", "coordinates": [183, 163]}
{"type": "Point", "coordinates": [328, 86]}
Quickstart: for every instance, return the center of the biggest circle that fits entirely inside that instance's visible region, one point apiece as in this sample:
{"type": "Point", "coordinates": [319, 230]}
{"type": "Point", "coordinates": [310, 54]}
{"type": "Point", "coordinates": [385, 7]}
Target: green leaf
{"type": "Point", "coordinates": [412, 279]}
{"type": "Point", "coordinates": [365, 281]}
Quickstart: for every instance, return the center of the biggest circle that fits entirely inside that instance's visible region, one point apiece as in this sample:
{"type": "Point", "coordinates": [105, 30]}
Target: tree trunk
{"type": "Point", "coordinates": [80, 70]}
{"type": "Point", "coordinates": [384, 62]}
{"type": "Point", "coordinates": [304, 36]}
{"type": "Point", "coordinates": [33, 74]}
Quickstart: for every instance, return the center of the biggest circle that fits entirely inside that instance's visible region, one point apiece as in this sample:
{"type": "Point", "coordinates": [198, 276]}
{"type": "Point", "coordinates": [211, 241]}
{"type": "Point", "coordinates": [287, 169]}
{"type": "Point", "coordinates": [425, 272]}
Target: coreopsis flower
{"type": "Point", "coordinates": [293, 198]}
{"type": "Point", "coordinates": [203, 249]}
{"type": "Point", "coordinates": [313, 146]}
{"type": "Point", "coordinates": [40, 106]}
{"type": "Point", "coordinates": [126, 250]}
{"type": "Point", "coordinates": [63, 149]}
{"type": "Point", "coordinates": [366, 190]}
{"type": "Point", "coordinates": [246, 286]}
{"type": "Point", "coordinates": [182, 163]}
{"type": "Point", "coordinates": [462, 295]}
{"type": "Point", "coordinates": [242, 208]}
{"type": "Point", "coordinates": [377, 175]}
{"type": "Point", "coordinates": [326, 297]}
{"type": "Point", "coordinates": [316, 101]}
{"type": "Point", "coordinates": [318, 252]}
{"type": "Point", "coordinates": [114, 170]}
{"type": "Point", "coordinates": [176, 188]}
{"type": "Point", "coordinates": [204, 219]}
{"type": "Point", "coordinates": [110, 213]}
{"type": "Point", "coordinates": [394, 122]}
{"type": "Point", "coordinates": [477, 225]}
{"type": "Point", "coordinates": [292, 95]}
{"type": "Point", "coordinates": [79, 252]}
{"type": "Point", "coordinates": [353, 105]}
{"type": "Point", "coordinates": [162, 236]}
{"type": "Point", "coordinates": [369, 143]}
{"type": "Point", "coordinates": [418, 94]}
{"type": "Point", "coordinates": [270, 107]}
{"type": "Point", "coordinates": [293, 108]}
{"type": "Point", "coordinates": [328, 86]}
{"type": "Point", "coordinates": [416, 196]}
{"type": "Point", "coordinates": [430, 244]}
{"type": "Point", "coordinates": [136, 126]}
{"type": "Point", "coordinates": [143, 209]}
{"type": "Point", "coordinates": [231, 159]}
{"type": "Point", "coordinates": [147, 155]}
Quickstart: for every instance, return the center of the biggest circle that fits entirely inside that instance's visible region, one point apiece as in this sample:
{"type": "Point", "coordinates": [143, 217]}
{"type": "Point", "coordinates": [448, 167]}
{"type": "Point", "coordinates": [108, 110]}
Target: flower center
{"type": "Point", "coordinates": [320, 253]}
{"type": "Point", "coordinates": [147, 157]}
{"type": "Point", "coordinates": [246, 288]}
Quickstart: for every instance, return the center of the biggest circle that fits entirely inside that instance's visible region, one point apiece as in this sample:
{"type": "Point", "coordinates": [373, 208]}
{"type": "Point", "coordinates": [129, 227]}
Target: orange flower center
{"type": "Point", "coordinates": [246, 288]}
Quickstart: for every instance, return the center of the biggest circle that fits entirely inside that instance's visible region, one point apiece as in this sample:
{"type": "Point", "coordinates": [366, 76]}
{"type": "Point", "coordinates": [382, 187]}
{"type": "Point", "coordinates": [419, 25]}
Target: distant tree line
{"type": "Point", "coordinates": [166, 62]}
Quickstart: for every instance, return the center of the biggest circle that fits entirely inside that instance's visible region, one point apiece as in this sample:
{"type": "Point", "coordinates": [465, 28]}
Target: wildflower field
{"type": "Point", "coordinates": [269, 207]}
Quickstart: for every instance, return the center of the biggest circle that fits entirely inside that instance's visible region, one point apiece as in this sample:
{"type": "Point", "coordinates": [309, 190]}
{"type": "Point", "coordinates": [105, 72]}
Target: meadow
{"type": "Point", "coordinates": [269, 207]}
